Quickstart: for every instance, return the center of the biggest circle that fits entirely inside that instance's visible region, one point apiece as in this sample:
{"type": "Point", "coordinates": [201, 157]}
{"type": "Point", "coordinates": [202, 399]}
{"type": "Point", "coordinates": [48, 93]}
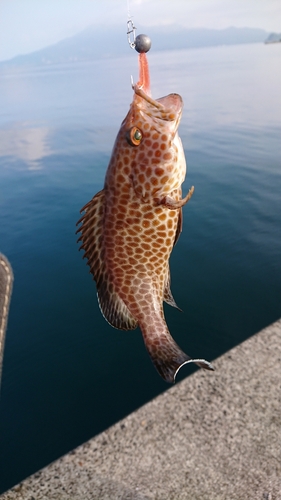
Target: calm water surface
{"type": "Point", "coordinates": [67, 374]}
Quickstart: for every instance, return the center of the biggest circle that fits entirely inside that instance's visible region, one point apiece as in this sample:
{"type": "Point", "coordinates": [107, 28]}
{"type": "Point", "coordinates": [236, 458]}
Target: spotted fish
{"type": "Point", "coordinates": [128, 229]}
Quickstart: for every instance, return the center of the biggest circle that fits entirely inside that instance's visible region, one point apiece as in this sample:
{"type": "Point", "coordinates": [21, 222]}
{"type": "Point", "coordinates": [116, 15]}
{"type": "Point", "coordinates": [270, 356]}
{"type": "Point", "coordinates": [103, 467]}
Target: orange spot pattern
{"type": "Point", "coordinates": [129, 229]}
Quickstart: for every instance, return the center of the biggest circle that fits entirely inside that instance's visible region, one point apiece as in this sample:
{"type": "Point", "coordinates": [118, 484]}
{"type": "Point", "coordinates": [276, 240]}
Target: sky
{"type": "Point", "coordinates": [29, 25]}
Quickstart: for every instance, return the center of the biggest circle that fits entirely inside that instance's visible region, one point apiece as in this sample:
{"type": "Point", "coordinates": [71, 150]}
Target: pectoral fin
{"type": "Point", "coordinates": [172, 204]}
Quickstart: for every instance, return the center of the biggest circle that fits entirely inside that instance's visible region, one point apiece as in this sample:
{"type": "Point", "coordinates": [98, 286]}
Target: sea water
{"type": "Point", "coordinates": [67, 374]}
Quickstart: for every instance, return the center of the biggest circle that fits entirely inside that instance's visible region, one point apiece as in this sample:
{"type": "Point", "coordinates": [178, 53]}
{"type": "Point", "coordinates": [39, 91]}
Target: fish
{"type": "Point", "coordinates": [129, 228]}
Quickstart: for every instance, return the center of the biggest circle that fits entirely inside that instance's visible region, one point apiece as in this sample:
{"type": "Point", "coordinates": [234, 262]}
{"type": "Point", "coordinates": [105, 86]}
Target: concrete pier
{"type": "Point", "coordinates": [213, 436]}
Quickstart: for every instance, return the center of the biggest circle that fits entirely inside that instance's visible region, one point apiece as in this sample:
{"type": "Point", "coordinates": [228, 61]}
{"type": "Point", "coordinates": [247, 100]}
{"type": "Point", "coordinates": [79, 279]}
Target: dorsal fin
{"type": "Point", "coordinates": [91, 234]}
{"type": "Point", "coordinates": [112, 306]}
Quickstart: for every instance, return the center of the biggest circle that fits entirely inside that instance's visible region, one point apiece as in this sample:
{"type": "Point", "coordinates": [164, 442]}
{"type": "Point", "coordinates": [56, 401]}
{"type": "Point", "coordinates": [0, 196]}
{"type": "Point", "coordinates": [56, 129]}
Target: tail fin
{"type": "Point", "coordinates": [165, 354]}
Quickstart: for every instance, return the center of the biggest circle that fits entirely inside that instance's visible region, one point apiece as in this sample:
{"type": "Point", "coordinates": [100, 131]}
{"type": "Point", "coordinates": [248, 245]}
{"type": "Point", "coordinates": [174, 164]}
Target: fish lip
{"type": "Point", "coordinates": [171, 102]}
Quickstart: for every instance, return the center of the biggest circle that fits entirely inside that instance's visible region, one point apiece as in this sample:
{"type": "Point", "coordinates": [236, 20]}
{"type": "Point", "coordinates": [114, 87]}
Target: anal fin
{"type": "Point", "coordinates": [168, 297]}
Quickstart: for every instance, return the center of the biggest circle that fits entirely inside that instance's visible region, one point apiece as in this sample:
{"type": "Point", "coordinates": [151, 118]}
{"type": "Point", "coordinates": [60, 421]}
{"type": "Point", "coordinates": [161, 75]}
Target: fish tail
{"type": "Point", "coordinates": [164, 352]}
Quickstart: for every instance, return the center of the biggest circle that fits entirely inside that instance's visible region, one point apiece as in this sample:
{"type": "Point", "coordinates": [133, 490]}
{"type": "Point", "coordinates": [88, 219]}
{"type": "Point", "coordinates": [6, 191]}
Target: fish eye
{"type": "Point", "coordinates": [134, 136]}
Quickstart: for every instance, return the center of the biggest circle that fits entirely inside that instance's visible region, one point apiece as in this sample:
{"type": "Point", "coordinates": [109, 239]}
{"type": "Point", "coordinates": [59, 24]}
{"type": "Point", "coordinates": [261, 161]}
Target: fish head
{"type": "Point", "coordinates": [159, 115]}
{"type": "Point", "coordinates": [162, 115]}
{"type": "Point", "coordinates": [149, 140]}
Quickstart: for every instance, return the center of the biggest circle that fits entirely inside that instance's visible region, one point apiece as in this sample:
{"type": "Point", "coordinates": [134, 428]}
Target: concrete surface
{"type": "Point", "coordinates": [213, 436]}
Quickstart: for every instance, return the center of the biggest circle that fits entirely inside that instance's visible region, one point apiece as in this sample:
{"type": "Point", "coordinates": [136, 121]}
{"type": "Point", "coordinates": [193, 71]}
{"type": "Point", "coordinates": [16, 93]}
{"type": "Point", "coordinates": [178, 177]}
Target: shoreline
{"type": "Point", "coordinates": [212, 436]}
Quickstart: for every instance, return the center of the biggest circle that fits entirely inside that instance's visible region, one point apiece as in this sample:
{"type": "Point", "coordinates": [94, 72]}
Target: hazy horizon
{"type": "Point", "coordinates": [86, 44]}
{"type": "Point", "coordinates": [27, 25]}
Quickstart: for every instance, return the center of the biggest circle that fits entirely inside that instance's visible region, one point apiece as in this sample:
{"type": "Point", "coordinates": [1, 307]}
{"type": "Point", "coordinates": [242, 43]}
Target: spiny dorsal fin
{"type": "Point", "coordinates": [91, 234]}
{"type": "Point", "coordinates": [112, 306]}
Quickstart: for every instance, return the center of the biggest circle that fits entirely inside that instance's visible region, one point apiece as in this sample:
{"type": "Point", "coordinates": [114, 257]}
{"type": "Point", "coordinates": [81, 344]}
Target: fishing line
{"type": "Point", "coordinates": [128, 10]}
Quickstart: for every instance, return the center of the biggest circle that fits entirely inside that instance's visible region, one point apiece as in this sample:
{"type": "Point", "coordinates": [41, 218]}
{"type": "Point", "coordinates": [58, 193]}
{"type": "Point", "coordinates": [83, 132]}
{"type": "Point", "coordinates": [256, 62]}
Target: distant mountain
{"type": "Point", "coordinates": [273, 38]}
{"type": "Point", "coordinates": [94, 43]}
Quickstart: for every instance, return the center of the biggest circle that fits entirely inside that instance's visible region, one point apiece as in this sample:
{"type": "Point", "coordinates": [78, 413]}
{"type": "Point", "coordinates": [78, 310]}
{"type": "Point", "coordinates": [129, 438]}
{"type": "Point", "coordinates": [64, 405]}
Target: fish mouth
{"type": "Point", "coordinates": [169, 106]}
{"type": "Point", "coordinates": [172, 102]}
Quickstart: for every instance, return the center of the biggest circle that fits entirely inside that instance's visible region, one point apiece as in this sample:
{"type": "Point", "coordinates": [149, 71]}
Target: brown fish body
{"type": "Point", "coordinates": [130, 227]}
